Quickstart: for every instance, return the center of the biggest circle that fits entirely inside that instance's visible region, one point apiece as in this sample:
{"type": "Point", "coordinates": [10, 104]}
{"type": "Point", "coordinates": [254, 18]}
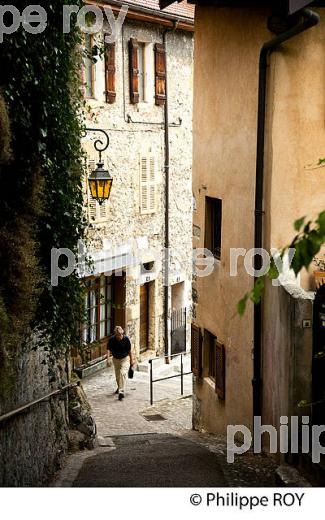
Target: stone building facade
{"type": "Point", "coordinates": [129, 230]}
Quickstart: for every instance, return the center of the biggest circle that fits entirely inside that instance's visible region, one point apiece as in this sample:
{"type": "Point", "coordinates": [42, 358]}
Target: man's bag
{"type": "Point", "coordinates": [130, 373]}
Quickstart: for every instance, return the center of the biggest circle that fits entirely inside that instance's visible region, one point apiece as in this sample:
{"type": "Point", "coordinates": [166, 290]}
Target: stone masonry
{"type": "Point", "coordinates": [32, 443]}
{"type": "Point", "coordinates": [136, 130]}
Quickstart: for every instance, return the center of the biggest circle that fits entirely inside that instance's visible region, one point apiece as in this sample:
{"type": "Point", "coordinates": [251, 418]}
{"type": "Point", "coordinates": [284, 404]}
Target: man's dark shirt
{"type": "Point", "coordinates": [119, 349]}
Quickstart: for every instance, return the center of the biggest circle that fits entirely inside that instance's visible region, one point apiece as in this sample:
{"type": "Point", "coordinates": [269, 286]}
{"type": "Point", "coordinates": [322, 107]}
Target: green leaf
{"type": "Point", "coordinates": [321, 221]}
{"type": "Point", "coordinates": [241, 305]}
{"type": "Point", "coordinates": [256, 293]}
{"type": "Point", "coordinates": [299, 223]}
{"type": "Point", "coordinates": [273, 272]}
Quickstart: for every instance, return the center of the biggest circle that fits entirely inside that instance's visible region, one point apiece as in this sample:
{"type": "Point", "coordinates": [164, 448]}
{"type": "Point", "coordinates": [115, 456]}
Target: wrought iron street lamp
{"type": "Point", "coordinates": [100, 181]}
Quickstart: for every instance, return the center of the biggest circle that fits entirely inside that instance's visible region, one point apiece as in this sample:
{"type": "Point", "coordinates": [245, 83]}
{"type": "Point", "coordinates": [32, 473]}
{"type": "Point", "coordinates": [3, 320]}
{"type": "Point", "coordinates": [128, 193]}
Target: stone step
{"type": "Point", "coordinates": [162, 368]}
{"type": "Point", "coordinates": [88, 370]}
{"type": "Point", "coordinates": [145, 367]}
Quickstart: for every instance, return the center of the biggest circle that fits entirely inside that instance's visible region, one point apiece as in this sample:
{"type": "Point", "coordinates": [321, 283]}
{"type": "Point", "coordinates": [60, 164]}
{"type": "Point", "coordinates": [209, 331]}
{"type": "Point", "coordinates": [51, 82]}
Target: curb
{"type": "Point", "coordinates": [289, 476]}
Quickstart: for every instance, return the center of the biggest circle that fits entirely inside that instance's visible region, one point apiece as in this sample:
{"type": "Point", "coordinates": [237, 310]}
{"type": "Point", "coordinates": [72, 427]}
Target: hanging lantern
{"type": "Point", "coordinates": [100, 183]}
{"type": "Point", "coordinates": [100, 180]}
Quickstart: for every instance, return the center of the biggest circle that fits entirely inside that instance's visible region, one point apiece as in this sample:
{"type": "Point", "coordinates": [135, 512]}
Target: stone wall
{"type": "Point", "coordinates": [287, 353]}
{"type": "Point", "coordinates": [32, 443]}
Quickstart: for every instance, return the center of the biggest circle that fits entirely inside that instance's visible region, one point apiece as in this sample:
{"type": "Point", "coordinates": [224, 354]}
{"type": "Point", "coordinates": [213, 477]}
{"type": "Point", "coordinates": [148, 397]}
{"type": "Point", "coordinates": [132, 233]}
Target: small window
{"type": "Point", "coordinates": [89, 68]}
{"type": "Point", "coordinates": [220, 375]}
{"type": "Point", "coordinates": [210, 355]}
{"type": "Point", "coordinates": [147, 268]}
{"type": "Point", "coordinates": [215, 363]}
{"type": "Point", "coordinates": [142, 71]}
{"type": "Point", "coordinates": [98, 306]}
{"type": "Point", "coordinates": [213, 218]}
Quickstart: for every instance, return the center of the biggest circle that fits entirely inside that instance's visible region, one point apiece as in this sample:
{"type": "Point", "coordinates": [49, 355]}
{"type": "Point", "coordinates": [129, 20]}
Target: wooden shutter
{"type": "Point", "coordinates": [110, 93]}
{"type": "Point", "coordinates": [134, 71]}
{"type": "Point", "coordinates": [102, 210]}
{"type": "Point", "coordinates": [220, 370]}
{"type": "Point", "coordinates": [152, 185]}
{"type": "Point", "coordinates": [196, 350]}
{"type": "Point", "coordinates": [160, 74]}
{"type": "Point", "coordinates": [91, 203]}
{"type": "Point", "coordinates": [147, 184]}
{"type": "Point", "coordinates": [143, 185]}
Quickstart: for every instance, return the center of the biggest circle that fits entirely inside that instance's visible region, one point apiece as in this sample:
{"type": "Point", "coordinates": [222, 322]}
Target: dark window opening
{"type": "Point", "coordinates": [213, 218]}
{"type": "Point", "coordinates": [215, 362]}
{"type": "Point", "coordinates": [210, 341]}
{"type": "Point", "coordinates": [147, 268]}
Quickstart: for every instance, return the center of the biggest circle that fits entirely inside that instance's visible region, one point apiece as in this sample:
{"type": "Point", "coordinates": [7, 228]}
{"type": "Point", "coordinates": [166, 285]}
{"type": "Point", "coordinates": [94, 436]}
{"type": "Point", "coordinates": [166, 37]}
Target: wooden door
{"type": "Point", "coordinates": [119, 300]}
{"type": "Point", "coordinates": [144, 316]}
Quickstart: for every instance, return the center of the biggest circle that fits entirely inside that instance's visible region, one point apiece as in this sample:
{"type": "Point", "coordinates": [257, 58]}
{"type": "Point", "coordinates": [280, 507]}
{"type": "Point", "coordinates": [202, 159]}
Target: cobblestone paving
{"type": "Point", "coordinates": [248, 469]}
{"type": "Point", "coordinates": [152, 460]}
{"type": "Point", "coordinates": [167, 453]}
{"type": "Point", "coordinates": [114, 417]}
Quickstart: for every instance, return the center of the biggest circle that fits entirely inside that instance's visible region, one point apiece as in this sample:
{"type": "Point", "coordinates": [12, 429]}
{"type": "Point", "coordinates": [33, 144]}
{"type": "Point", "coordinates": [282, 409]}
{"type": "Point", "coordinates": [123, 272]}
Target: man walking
{"type": "Point", "coordinates": [120, 347]}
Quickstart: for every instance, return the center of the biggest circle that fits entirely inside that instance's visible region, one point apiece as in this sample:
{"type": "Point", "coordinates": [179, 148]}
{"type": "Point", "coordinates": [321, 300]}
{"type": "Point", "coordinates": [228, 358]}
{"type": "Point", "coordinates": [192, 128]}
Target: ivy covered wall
{"type": "Point", "coordinates": [40, 181]}
{"type": "Point", "coordinates": [40, 208]}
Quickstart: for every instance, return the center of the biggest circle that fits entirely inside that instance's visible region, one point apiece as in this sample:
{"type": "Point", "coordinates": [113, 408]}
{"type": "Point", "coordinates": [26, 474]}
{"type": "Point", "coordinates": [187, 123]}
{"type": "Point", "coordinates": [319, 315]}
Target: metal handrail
{"type": "Point", "coordinates": [169, 355]}
{"type": "Point", "coordinates": [21, 409]}
{"type": "Point", "coordinates": [181, 375]}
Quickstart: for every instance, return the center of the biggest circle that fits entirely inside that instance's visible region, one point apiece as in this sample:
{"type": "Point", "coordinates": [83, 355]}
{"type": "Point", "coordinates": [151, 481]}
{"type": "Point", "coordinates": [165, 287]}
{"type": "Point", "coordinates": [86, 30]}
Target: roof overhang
{"type": "Point", "coordinates": [137, 12]}
{"type": "Point", "coordinates": [285, 6]}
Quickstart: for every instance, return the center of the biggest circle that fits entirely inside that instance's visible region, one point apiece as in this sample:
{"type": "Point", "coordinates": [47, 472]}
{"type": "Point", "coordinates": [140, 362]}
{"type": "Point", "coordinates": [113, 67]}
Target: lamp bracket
{"type": "Point", "coordinates": [100, 145]}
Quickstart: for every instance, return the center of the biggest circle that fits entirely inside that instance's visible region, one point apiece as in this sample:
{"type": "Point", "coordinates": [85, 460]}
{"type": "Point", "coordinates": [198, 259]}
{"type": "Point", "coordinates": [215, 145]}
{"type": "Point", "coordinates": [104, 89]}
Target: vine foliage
{"type": "Point", "coordinates": [41, 167]}
{"type": "Point", "coordinates": [308, 241]}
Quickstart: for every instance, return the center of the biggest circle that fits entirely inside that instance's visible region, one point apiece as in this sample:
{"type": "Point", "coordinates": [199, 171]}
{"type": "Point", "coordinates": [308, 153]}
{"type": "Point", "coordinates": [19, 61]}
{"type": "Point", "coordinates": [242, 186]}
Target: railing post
{"type": "Point", "coordinates": [185, 329]}
{"type": "Point", "coordinates": [151, 383]}
{"type": "Point", "coordinates": [182, 385]}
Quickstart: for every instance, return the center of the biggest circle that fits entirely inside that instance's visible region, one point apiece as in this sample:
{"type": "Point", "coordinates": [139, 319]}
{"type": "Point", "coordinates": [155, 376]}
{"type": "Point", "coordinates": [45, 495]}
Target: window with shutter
{"type": "Point", "coordinates": [210, 357]}
{"type": "Point", "coordinates": [142, 71]}
{"type": "Point", "coordinates": [196, 350]}
{"type": "Point", "coordinates": [134, 71]}
{"type": "Point", "coordinates": [110, 92]}
{"type": "Point", "coordinates": [96, 212]}
{"type": "Point", "coordinates": [160, 74]}
{"type": "Point", "coordinates": [148, 182]}
{"type": "Point", "coordinates": [89, 67]}
{"type": "Point", "coordinates": [220, 370]}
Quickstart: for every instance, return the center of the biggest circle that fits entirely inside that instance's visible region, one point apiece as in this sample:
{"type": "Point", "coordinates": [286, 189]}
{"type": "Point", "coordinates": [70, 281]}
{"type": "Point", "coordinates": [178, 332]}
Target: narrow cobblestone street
{"type": "Point", "coordinates": [127, 417]}
{"type": "Point", "coordinates": [134, 451]}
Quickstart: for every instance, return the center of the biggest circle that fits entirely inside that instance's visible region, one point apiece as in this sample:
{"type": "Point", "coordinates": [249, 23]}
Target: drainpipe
{"type": "Point", "coordinates": [166, 170]}
{"type": "Point", "coordinates": [310, 19]}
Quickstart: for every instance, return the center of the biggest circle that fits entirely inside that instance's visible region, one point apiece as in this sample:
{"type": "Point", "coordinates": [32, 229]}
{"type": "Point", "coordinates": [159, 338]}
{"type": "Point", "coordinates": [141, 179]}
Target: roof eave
{"type": "Point", "coordinates": [136, 12]}
{"type": "Point", "coordinates": [286, 6]}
